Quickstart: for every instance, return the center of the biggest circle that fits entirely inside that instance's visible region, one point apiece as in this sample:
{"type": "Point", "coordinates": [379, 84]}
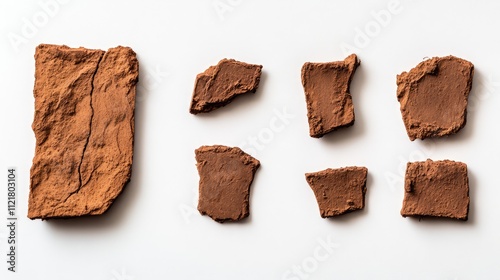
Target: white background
{"type": "Point", "coordinates": [153, 230]}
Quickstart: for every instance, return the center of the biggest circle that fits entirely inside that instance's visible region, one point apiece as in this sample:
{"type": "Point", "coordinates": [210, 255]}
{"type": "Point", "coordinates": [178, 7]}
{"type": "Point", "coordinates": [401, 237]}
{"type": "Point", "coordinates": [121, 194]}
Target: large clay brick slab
{"type": "Point", "coordinates": [84, 129]}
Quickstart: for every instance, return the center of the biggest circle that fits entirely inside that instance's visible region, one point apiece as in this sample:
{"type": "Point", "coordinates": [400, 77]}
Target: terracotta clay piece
{"type": "Point", "coordinates": [84, 129]}
{"type": "Point", "coordinates": [220, 84]}
{"type": "Point", "coordinates": [339, 191]}
{"type": "Point", "coordinates": [437, 189]}
{"type": "Point", "coordinates": [226, 174]}
{"type": "Point", "coordinates": [329, 102]}
{"type": "Point", "coordinates": [433, 96]}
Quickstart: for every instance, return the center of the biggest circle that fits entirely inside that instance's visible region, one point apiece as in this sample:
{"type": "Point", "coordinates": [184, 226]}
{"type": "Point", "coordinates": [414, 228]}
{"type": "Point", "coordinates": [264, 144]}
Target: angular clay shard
{"type": "Point", "coordinates": [437, 189]}
{"type": "Point", "coordinates": [339, 191]}
{"type": "Point", "coordinates": [220, 84]}
{"type": "Point", "coordinates": [226, 174]}
{"type": "Point", "coordinates": [84, 129]}
{"type": "Point", "coordinates": [433, 96]}
{"type": "Point", "coordinates": [329, 102]}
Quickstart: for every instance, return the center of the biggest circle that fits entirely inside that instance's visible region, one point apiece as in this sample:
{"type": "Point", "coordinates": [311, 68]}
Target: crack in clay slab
{"type": "Point", "coordinates": [84, 129]}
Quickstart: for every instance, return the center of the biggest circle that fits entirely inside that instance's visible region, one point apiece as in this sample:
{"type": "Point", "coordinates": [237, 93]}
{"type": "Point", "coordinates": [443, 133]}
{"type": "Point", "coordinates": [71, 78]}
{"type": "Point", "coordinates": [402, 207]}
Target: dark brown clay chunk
{"type": "Point", "coordinates": [433, 96]}
{"type": "Point", "coordinates": [226, 174]}
{"type": "Point", "coordinates": [437, 189]}
{"type": "Point", "coordinates": [339, 191]}
{"type": "Point", "coordinates": [329, 102]}
{"type": "Point", "coordinates": [220, 84]}
{"type": "Point", "coordinates": [84, 129]}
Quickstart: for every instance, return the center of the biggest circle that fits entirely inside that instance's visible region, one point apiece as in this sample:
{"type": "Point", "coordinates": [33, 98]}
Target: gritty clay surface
{"type": "Point", "coordinates": [220, 84]}
{"type": "Point", "coordinates": [329, 102]}
{"type": "Point", "coordinates": [433, 96]}
{"type": "Point", "coordinates": [84, 129]}
{"type": "Point", "coordinates": [339, 191]}
{"type": "Point", "coordinates": [226, 174]}
{"type": "Point", "coordinates": [437, 189]}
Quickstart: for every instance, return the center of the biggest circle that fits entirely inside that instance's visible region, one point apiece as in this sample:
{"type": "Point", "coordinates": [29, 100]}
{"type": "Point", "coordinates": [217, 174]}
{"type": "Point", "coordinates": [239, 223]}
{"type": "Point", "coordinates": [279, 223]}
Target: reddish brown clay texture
{"type": "Point", "coordinates": [220, 84]}
{"type": "Point", "coordinates": [437, 189]}
{"type": "Point", "coordinates": [329, 102]}
{"type": "Point", "coordinates": [84, 129]}
{"type": "Point", "coordinates": [339, 191]}
{"type": "Point", "coordinates": [433, 96]}
{"type": "Point", "coordinates": [226, 174]}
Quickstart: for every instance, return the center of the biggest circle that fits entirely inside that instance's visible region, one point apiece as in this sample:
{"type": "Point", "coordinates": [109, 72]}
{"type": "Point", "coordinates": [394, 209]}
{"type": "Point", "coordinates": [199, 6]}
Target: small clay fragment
{"type": "Point", "coordinates": [329, 102]}
{"type": "Point", "coordinates": [339, 191]}
{"type": "Point", "coordinates": [220, 84]}
{"type": "Point", "coordinates": [226, 174]}
{"type": "Point", "coordinates": [433, 96]}
{"type": "Point", "coordinates": [437, 189]}
{"type": "Point", "coordinates": [84, 129]}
